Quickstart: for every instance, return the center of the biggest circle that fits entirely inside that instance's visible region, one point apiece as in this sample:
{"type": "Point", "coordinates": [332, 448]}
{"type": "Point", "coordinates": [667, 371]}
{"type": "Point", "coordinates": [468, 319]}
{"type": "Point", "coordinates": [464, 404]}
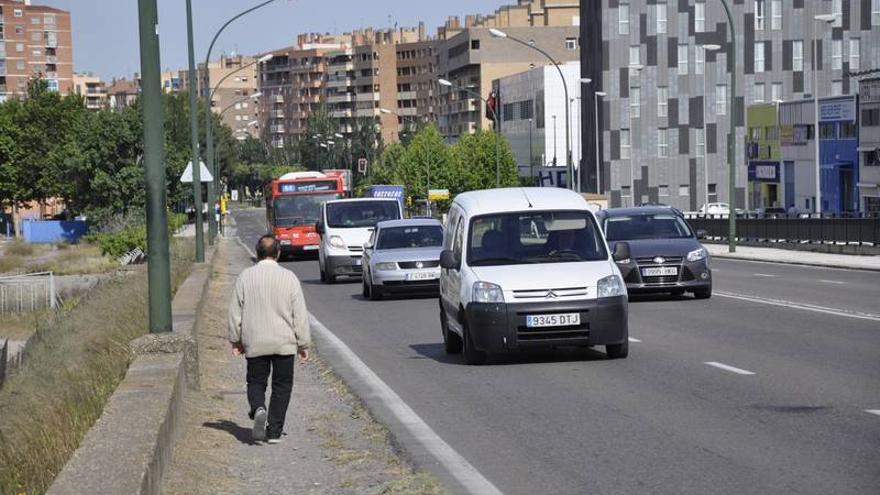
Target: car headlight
{"type": "Point", "coordinates": [485, 292]}
{"type": "Point", "coordinates": [386, 267]}
{"type": "Point", "coordinates": [337, 242]}
{"type": "Point", "coordinates": [697, 255]}
{"type": "Point", "coordinates": [611, 286]}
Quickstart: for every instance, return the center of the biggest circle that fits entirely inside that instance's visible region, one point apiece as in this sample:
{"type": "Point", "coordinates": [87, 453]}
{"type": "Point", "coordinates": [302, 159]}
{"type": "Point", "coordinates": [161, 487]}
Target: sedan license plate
{"type": "Point", "coordinates": [421, 276]}
{"type": "Point", "coordinates": [560, 320]}
{"type": "Point", "coordinates": [312, 247]}
{"type": "Point", "coordinates": [661, 271]}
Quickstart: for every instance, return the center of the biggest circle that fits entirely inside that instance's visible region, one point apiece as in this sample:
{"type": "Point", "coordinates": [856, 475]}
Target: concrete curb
{"type": "Point", "coordinates": [129, 448]}
{"type": "Point", "coordinates": [841, 266]}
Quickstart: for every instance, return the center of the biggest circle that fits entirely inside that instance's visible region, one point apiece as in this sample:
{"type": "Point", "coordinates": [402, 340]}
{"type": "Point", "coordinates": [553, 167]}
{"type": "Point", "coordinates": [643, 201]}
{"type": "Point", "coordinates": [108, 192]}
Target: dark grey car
{"type": "Point", "coordinates": [666, 254]}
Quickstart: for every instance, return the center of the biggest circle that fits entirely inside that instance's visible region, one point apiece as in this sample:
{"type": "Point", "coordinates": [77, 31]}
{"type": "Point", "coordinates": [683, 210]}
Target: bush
{"type": "Point", "coordinates": [19, 248]}
{"type": "Point", "coordinates": [118, 243]}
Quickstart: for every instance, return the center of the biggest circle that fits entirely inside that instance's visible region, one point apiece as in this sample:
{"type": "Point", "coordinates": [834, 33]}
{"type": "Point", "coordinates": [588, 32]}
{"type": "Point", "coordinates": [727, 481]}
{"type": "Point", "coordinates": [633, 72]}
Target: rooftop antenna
{"type": "Point", "coordinates": [526, 196]}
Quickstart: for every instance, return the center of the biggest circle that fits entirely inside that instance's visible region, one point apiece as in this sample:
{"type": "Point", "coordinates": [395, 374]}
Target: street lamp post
{"type": "Point", "coordinates": [636, 69]}
{"type": "Point", "coordinates": [554, 141]}
{"type": "Point", "coordinates": [208, 95]}
{"type": "Point", "coordinates": [531, 154]}
{"type": "Point", "coordinates": [827, 19]}
{"type": "Point", "coordinates": [731, 140]}
{"type": "Point", "coordinates": [597, 95]}
{"type": "Point", "coordinates": [448, 83]}
{"type": "Point", "coordinates": [497, 33]}
{"type": "Point", "coordinates": [706, 48]}
{"type": "Point", "coordinates": [194, 137]}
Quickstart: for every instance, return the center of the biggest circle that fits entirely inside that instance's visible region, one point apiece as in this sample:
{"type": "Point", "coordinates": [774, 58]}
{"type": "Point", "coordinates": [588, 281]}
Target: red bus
{"type": "Point", "coordinates": [293, 207]}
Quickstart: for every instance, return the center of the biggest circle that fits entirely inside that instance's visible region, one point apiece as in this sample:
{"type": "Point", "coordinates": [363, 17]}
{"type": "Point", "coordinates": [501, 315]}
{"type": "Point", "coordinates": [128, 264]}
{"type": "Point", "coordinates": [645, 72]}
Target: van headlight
{"type": "Point", "coordinates": [611, 286]}
{"type": "Point", "coordinates": [386, 267]}
{"type": "Point", "coordinates": [697, 255]}
{"type": "Point", "coordinates": [485, 292]}
{"type": "Point", "coordinates": [337, 242]}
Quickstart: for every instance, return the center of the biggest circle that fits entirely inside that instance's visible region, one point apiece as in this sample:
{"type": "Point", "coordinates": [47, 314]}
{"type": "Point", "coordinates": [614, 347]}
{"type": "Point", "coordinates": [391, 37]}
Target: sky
{"type": "Point", "coordinates": [105, 32]}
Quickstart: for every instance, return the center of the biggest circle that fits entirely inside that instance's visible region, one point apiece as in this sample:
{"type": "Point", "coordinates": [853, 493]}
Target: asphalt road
{"type": "Point", "coordinates": [663, 420]}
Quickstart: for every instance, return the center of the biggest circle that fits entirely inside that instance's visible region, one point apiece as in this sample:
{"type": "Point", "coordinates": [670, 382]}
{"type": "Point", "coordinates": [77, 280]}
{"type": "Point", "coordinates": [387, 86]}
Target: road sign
{"type": "Point", "coordinates": [362, 165]}
{"type": "Point", "coordinates": [438, 194]}
{"type": "Point", "coordinates": [204, 174]}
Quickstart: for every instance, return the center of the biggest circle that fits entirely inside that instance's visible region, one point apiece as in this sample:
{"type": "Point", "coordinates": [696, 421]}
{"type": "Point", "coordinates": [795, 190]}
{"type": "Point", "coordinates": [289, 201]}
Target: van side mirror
{"type": "Point", "coordinates": [319, 227]}
{"type": "Point", "coordinates": [449, 260]}
{"type": "Point", "coordinates": [621, 252]}
{"type": "Point", "coordinates": [368, 246]}
{"type": "Point", "coordinates": [702, 234]}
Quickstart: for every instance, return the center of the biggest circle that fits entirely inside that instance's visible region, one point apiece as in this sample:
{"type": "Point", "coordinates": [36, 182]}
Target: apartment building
{"type": "Point", "coordinates": [122, 93]}
{"type": "Point", "coordinates": [668, 87]}
{"type": "Point", "coordinates": [173, 81]}
{"type": "Point", "coordinates": [417, 80]}
{"type": "Point", "coordinates": [92, 89]}
{"type": "Point", "coordinates": [233, 80]}
{"type": "Point", "coordinates": [340, 89]}
{"type": "Point", "coordinates": [869, 145]}
{"type": "Point", "coordinates": [35, 41]}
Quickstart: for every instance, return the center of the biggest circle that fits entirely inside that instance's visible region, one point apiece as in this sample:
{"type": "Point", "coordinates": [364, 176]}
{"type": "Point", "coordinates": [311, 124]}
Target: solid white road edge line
{"type": "Point", "coordinates": [458, 466]}
{"type": "Point", "coordinates": [727, 367]}
{"type": "Point", "coordinates": [634, 340]}
{"type": "Point", "coordinates": [873, 411]}
{"type": "Point", "coordinates": [835, 282]}
{"type": "Point", "coordinates": [802, 306]}
{"type": "Point", "coordinates": [766, 275]}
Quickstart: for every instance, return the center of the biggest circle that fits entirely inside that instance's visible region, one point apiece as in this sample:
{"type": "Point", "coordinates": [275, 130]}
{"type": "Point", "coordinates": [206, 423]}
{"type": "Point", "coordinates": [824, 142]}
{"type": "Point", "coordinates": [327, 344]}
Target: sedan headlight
{"type": "Point", "coordinates": [697, 255]}
{"type": "Point", "coordinates": [386, 267]}
{"type": "Point", "coordinates": [611, 286]}
{"type": "Point", "coordinates": [485, 292]}
{"type": "Point", "coordinates": [337, 242]}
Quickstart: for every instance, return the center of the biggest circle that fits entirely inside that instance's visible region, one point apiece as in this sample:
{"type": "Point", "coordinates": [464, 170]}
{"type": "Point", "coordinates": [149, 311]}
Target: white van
{"type": "Point", "coordinates": [526, 268]}
{"type": "Point", "coordinates": [345, 226]}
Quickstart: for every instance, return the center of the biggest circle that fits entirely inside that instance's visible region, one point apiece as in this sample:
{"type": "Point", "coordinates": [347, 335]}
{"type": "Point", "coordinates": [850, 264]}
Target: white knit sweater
{"type": "Point", "coordinates": [268, 312]}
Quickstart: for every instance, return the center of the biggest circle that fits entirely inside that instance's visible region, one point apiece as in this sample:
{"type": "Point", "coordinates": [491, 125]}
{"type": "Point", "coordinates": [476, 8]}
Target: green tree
{"type": "Point", "coordinates": [475, 161]}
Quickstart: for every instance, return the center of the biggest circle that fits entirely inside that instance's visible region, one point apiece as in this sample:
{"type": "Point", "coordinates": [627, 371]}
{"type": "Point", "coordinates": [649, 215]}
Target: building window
{"type": "Point", "coordinates": [826, 131]}
{"type": "Point", "coordinates": [776, 91]}
{"type": "Point", "coordinates": [19, 65]}
{"type": "Point", "coordinates": [759, 57]}
{"type": "Point", "coordinates": [855, 55]}
{"type": "Point", "coordinates": [52, 85]}
{"type": "Point", "coordinates": [571, 44]}
{"type": "Point", "coordinates": [684, 190]}
{"type": "Point", "coordinates": [238, 118]}
{"type": "Point", "coordinates": [837, 54]}
{"type": "Point", "coordinates": [721, 99]}
{"type": "Point", "coordinates": [836, 88]}
{"type": "Point", "coordinates": [661, 18]}
{"type": "Point", "coordinates": [36, 36]}
{"type": "Point", "coordinates": [624, 144]}
{"type": "Point", "coordinates": [663, 190]}
{"type": "Point", "coordinates": [776, 15]}
{"type": "Point", "coordinates": [758, 92]}
{"type": "Point", "coordinates": [245, 117]}
{"type": "Point", "coordinates": [797, 56]}
{"type": "Point", "coordinates": [682, 59]}
{"type": "Point", "coordinates": [837, 11]}
{"type": "Point", "coordinates": [699, 60]}
{"type": "Point", "coordinates": [623, 18]}
{"type": "Point", "coordinates": [635, 102]}
{"type": "Point", "coordinates": [19, 29]}
{"type": "Point", "coordinates": [19, 47]}
{"type": "Point", "coordinates": [35, 20]}
{"type": "Point", "coordinates": [37, 52]}
{"type": "Point", "coordinates": [17, 13]}
{"type": "Point", "coordinates": [871, 117]}
{"type": "Point", "coordinates": [475, 44]}
{"type": "Point", "coordinates": [875, 12]}
{"type": "Point", "coordinates": [759, 15]}
{"type": "Point", "coordinates": [662, 143]}
{"type": "Point", "coordinates": [848, 130]}
{"type": "Point", "coordinates": [634, 55]}
{"type": "Point", "coordinates": [662, 102]}
{"type": "Point", "coordinates": [49, 20]}
{"type": "Point", "coordinates": [701, 142]}
{"type": "Point", "coordinates": [700, 16]}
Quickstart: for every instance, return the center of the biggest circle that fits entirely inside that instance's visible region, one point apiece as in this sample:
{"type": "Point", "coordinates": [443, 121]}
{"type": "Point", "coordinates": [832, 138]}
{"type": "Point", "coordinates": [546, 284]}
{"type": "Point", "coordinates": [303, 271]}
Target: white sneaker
{"type": "Point", "coordinates": [260, 417]}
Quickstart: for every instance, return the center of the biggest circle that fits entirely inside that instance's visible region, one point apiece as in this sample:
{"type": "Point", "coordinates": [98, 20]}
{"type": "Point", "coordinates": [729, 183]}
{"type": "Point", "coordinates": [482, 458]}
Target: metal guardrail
{"type": "Point", "coordinates": [847, 229]}
{"type": "Point", "coordinates": [28, 293]}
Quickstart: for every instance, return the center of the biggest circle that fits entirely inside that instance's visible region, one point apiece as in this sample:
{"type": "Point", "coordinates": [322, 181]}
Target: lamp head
{"type": "Point", "coordinates": [826, 17]}
{"type": "Point", "coordinates": [497, 33]}
{"type": "Point", "coordinates": [385, 111]}
{"type": "Point", "coordinates": [586, 80]}
{"type": "Point", "coordinates": [257, 94]}
{"type": "Point", "coordinates": [711, 47]}
{"type": "Point", "coordinates": [265, 58]}
{"type": "Point", "coordinates": [444, 82]}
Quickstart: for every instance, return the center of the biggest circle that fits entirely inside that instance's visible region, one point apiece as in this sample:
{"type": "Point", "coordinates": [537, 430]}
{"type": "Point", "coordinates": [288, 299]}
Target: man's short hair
{"type": "Point", "coordinates": [267, 248]}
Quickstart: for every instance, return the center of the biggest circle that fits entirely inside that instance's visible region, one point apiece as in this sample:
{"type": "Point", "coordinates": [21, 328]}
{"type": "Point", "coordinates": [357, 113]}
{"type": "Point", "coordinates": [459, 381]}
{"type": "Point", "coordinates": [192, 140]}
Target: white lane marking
{"type": "Point", "coordinates": [836, 282]}
{"type": "Point", "coordinates": [727, 367]}
{"type": "Point", "coordinates": [461, 469]}
{"type": "Point", "coordinates": [801, 306]}
{"type": "Point", "coordinates": [765, 275]}
{"type": "Point", "coordinates": [873, 411]}
{"type": "Point", "coordinates": [458, 466]}
{"type": "Point", "coordinates": [634, 340]}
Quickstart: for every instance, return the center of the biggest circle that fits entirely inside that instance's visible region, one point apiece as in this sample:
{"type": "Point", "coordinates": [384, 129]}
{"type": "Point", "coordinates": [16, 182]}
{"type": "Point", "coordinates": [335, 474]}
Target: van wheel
{"type": "Point", "coordinates": [617, 351]}
{"type": "Point", "coordinates": [452, 343]}
{"type": "Point", "coordinates": [471, 355]}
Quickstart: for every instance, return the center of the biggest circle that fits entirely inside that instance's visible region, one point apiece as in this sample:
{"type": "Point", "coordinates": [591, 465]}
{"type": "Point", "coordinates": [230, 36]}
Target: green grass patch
{"type": "Point", "coordinates": [81, 355]}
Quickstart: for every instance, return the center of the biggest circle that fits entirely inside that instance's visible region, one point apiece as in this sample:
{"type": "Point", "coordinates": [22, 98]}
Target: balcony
{"type": "Point", "coordinates": [337, 98]}
{"type": "Point", "coordinates": [51, 59]}
{"type": "Point", "coordinates": [277, 114]}
{"type": "Point", "coordinates": [276, 129]}
{"type": "Point", "coordinates": [277, 143]}
{"type": "Point", "coordinates": [340, 67]}
{"type": "Point", "coordinates": [51, 75]}
{"type": "Point", "coordinates": [339, 83]}
{"type": "Point", "coordinates": [341, 114]}
{"type": "Point", "coordinates": [371, 96]}
{"type": "Point", "coordinates": [367, 112]}
{"type": "Point", "coordinates": [278, 99]}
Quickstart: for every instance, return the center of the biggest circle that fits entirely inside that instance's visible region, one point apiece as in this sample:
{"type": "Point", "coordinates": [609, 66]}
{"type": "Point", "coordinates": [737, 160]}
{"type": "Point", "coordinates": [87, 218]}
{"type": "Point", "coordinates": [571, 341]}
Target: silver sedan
{"type": "Point", "coordinates": [403, 257]}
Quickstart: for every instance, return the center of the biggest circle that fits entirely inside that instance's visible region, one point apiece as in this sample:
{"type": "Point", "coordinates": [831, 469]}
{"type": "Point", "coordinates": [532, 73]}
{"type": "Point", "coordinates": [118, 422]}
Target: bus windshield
{"type": "Point", "coordinates": [353, 214]}
{"type": "Point", "coordinates": [292, 211]}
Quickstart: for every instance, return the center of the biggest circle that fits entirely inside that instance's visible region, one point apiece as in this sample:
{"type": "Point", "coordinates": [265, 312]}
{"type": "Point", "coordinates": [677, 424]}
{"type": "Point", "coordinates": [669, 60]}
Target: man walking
{"type": "Point", "coordinates": [269, 324]}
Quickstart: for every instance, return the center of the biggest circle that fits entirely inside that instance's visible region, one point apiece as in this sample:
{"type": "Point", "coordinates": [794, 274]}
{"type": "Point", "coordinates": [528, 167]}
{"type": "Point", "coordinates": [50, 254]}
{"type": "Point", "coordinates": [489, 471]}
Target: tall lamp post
{"type": "Point", "coordinates": [826, 19]}
{"type": "Point", "coordinates": [636, 69]}
{"type": "Point", "coordinates": [194, 138]}
{"type": "Point", "coordinates": [497, 33]}
{"type": "Point", "coordinates": [731, 139]}
{"type": "Point", "coordinates": [449, 84]}
{"type": "Point", "coordinates": [208, 94]}
{"type": "Point", "coordinates": [531, 154]}
{"type": "Point", "coordinates": [706, 49]}
{"type": "Point", "coordinates": [597, 95]}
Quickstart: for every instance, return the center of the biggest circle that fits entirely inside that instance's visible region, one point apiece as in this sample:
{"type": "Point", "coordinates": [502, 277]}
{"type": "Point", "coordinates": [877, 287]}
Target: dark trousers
{"type": "Point", "coordinates": [258, 370]}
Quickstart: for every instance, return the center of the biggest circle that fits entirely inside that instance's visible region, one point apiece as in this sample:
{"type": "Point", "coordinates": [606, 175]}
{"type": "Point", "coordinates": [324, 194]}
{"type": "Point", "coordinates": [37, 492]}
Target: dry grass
{"type": "Point", "coordinates": [10, 263]}
{"type": "Point", "coordinates": [20, 326]}
{"type": "Point", "coordinates": [48, 406]}
{"type": "Point", "coordinates": [76, 260]}
{"type": "Point", "coordinates": [20, 248]}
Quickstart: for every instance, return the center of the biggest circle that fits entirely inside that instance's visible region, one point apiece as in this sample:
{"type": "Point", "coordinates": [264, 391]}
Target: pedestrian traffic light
{"type": "Point", "coordinates": [409, 202]}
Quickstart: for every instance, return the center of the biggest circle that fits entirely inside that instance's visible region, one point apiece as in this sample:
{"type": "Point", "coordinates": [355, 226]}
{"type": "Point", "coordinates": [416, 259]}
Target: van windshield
{"type": "Point", "coordinates": [353, 214]}
{"type": "Point", "coordinates": [534, 237]}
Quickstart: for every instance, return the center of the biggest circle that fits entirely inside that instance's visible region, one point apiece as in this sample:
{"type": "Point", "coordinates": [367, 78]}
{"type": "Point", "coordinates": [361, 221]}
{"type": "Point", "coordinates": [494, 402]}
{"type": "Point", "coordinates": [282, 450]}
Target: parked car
{"type": "Point", "coordinates": [403, 256]}
{"type": "Point", "coordinates": [666, 253]}
{"type": "Point", "coordinates": [715, 209]}
{"type": "Point", "coordinates": [526, 268]}
{"type": "Point", "coordinates": [345, 225]}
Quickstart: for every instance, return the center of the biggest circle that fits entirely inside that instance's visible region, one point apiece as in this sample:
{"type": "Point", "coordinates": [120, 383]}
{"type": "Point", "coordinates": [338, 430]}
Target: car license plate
{"type": "Point", "coordinates": [560, 320]}
{"type": "Point", "coordinates": [421, 276]}
{"type": "Point", "coordinates": [313, 247]}
{"type": "Point", "coordinates": [660, 271]}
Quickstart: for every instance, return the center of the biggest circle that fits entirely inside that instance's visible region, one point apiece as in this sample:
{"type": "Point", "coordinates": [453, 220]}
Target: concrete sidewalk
{"type": "Point", "coordinates": [788, 256]}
